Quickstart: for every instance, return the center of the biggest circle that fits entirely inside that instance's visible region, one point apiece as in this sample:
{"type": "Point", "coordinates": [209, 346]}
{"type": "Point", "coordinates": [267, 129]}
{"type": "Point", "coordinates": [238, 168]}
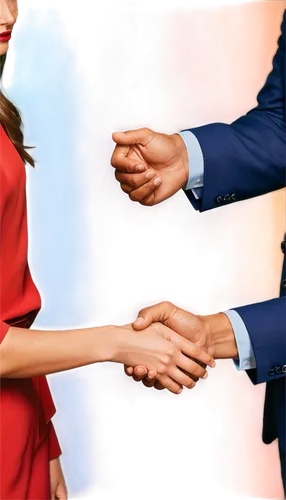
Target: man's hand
{"type": "Point", "coordinates": [150, 166]}
{"type": "Point", "coordinates": [213, 334]}
{"type": "Point", "coordinates": [58, 486]}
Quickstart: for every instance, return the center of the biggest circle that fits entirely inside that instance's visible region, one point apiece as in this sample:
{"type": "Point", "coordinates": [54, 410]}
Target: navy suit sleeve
{"type": "Point", "coordinates": [266, 325]}
{"type": "Point", "coordinates": [243, 160]}
{"type": "Point", "coordinates": [247, 158]}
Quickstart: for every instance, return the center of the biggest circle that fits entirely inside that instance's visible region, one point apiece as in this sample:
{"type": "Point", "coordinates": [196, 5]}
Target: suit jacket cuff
{"type": "Point", "coordinates": [196, 163]}
{"type": "Point", "coordinates": [246, 359]}
{"type": "Point", "coordinates": [266, 325]}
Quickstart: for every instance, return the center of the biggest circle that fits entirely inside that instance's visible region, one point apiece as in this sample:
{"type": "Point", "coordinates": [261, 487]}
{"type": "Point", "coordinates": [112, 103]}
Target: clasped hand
{"type": "Point", "coordinates": [189, 334]}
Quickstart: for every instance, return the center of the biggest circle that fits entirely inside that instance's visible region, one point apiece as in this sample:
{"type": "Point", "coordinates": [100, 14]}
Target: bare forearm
{"type": "Point", "coordinates": [27, 353]}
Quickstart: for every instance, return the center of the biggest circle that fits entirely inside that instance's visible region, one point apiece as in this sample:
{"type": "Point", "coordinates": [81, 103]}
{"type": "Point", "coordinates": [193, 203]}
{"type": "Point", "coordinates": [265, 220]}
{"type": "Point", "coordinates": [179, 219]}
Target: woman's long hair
{"type": "Point", "coordinates": [10, 120]}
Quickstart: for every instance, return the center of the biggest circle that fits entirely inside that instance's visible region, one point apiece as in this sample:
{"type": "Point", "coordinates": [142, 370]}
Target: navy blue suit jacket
{"type": "Point", "coordinates": [243, 160]}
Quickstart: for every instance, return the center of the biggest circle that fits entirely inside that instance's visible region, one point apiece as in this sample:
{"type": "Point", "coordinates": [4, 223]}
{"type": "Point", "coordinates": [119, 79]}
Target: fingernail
{"type": "Point", "coordinates": [180, 391]}
{"type": "Point", "coordinates": [140, 168]}
{"type": "Point", "coordinates": [206, 376]}
{"type": "Point", "coordinates": [139, 320]}
{"type": "Point", "coordinates": [129, 371]}
{"type": "Point", "coordinates": [149, 174]}
{"type": "Point", "coordinates": [140, 371]}
{"type": "Point", "coordinates": [213, 364]}
{"type": "Point", "coordinates": [157, 181]}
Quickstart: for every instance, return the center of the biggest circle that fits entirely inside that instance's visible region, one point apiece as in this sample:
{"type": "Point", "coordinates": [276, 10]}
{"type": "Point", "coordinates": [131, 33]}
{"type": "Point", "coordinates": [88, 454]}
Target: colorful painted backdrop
{"type": "Point", "coordinates": [80, 70]}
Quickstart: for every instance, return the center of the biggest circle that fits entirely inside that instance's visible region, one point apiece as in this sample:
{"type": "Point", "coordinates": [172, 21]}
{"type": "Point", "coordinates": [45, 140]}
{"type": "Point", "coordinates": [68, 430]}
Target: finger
{"type": "Point", "coordinates": [157, 313]}
{"type": "Point", "coordinates": [139, 136]}
{"type": "Point", "coordinates": [129, 370]}
{"type": "Point", "coordinates": [123, 162]}
{"type": "Point", "coordinates": [190, 366]}
{"type": "Point", "coordinates": [150, 379]}
{"type": "Point", "coordinates": [170, 384]}
{"type": "Point", "coordinates": [181, 378]}
{"type": "Point", "coordinates": [152, 374]}
{"type": "Point", "coordinates": [134, 180]}
{"type": "Point", "coordinates": [140, 371]}
{"type": "Point", "coordinates": [159, 386]}
{"type": "Point", "coordinates": [126, 188]}
{"type": "Point", "coordinates": [146, 190]}
{"type": "Point", "coordinates": [149, 383]}
{"type": "Point", "coordinates": [193, 351]}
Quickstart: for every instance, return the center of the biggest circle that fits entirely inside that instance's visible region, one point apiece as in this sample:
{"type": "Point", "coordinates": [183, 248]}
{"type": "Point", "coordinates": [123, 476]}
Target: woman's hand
{"type": "Point", "coordinates": [58, 486]}
{"type": "Point", "coordinates": [158, 348]}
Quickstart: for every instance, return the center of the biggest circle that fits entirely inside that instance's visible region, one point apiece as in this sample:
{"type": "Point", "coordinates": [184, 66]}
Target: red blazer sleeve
{"type": "Point", "coordinates": [3, 330]}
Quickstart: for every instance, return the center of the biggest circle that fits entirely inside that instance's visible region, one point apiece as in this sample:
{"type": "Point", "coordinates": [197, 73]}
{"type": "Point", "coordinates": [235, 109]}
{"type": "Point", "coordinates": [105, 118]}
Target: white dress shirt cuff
{"type": "Point", "coordinates": [196, 163]}
{"type": "Point", "coordinates": [246, 358]}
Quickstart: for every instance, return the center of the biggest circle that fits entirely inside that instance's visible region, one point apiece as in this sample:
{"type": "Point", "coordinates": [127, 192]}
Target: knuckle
{"type": "Point", "coordinates": [146, 130]}
{"type": "Point", "coordinates": [143, 203]}
{"type": "Point", "coordinates": [130, 168]}
{"type": "Point", "coordinates": [162, 368]}
{"type": "Point", "coordinates": [165, 360]}
{"type": "Point", "coordinates": [133, 182]}
{"type": "Point", "coordinates": [147, 203]}
{"type": "Point", "coordinates": [170, 353]}
{"type": "Point", "coordinates": [133, 197]}
{"type": "Point", "coordinates": [115, 157]}
{"type": "Point", "coordinates": [113, 161]}
{"type": "Point", "coordinates": [196, 351]}
{"type": "Point", "coordinates": [118, 175]}
{"type": "Point", "coordinates": [124, 188]}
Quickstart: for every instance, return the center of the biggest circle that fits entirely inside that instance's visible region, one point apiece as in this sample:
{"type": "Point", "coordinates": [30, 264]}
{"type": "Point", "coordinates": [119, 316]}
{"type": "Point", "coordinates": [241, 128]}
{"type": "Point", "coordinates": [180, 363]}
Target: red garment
{"type": "Point", "coordinates": [28, 439]}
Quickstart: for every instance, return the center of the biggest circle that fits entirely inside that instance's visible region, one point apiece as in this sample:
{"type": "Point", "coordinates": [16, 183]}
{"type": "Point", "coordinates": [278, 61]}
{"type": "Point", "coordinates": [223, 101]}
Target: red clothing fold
{"type": "Point", "coordinates": [19, 304]}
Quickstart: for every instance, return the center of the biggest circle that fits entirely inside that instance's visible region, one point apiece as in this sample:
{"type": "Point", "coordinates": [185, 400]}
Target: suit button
{"type": "Point", "coordinates": [278, 370]}
{"type": "Point", "coordinates": [271, 372]}
{"type": "Point", "coordinates": [283, 246]}
{"type": "Point", "coordinates": [283, 283]}
{"type": "Point", "coordinates": [227, 197]}
{"type": "Point", "coordinates": [233, 197]}
{"type": "Point", "coordinates": [284, 369]}
{"type": "Point", "coordinates": [219, 199]}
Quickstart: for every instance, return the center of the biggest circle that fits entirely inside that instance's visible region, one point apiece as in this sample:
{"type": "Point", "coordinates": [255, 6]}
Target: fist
{"type": "Point", "coordinates": [150, 166]}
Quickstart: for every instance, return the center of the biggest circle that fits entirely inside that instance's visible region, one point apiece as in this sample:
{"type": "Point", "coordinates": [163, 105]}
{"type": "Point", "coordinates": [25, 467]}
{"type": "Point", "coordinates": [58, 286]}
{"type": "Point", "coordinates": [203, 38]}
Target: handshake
{"type": "Point", "coordinates": [194, 342]}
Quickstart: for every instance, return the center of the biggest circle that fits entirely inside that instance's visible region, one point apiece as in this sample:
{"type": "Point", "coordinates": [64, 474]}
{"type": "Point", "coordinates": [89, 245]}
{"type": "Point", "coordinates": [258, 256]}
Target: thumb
{"type": "Point", "coordinates": [144, 319]}
{"type": "Point", "coordinates": [157, 313]}
{"type": "Point", "coordinates": [140, 136]}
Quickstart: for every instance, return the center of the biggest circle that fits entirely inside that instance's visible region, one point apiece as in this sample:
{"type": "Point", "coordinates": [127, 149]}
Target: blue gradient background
{"type": "Point", "coordinates": [54, 95]}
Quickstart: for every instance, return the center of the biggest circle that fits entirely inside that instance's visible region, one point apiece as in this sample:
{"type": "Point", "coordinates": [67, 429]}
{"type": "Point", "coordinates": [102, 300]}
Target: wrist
{"type": "Point", "coordinates": [113, 344]}
{"type": "Point", "coordinates": [221, 336]}
{"type": "Point", "coordinates": [183, 155]}
{"type": "Point", "coordinates": [105, 343]}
